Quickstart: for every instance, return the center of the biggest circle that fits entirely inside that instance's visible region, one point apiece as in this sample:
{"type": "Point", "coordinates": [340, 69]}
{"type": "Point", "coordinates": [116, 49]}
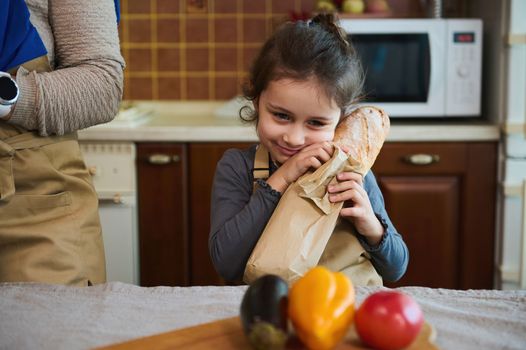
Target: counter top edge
{"type": "Point", "coordinates": [398, 133]}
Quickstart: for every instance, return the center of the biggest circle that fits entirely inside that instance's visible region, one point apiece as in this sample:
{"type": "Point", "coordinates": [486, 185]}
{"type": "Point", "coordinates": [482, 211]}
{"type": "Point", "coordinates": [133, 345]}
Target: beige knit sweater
{"type": "Point", "coordinates": [84, 87]}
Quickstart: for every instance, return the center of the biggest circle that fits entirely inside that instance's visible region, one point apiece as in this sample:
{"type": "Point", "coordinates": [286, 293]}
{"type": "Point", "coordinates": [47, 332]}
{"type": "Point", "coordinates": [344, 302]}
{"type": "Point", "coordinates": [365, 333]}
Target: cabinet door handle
{"type": "Point", "coordinates": [159, 159]}
{"type": "Point", "coordinates": [92, 170]}
{"type": "Point", "coordinates": [422, 159]}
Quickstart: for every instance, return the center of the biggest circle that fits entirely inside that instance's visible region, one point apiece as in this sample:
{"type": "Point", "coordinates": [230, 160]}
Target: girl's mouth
{"type": "Point", "coordinates": [287, 151]}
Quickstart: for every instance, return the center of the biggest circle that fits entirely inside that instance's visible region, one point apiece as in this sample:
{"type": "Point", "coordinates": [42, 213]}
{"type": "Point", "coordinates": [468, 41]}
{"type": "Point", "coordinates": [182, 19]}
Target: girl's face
{"type": "Point", "coordinates": [294, 114]}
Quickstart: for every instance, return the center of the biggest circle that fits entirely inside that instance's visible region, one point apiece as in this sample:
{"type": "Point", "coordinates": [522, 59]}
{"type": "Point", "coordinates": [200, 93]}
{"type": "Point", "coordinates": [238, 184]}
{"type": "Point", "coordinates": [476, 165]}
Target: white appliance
{"type": "Point", "coordinates": [112, 165]}
{"type": "Point", "coordinates": [512, 254]}
{"type": "Point", "coordinates": [420, 67]}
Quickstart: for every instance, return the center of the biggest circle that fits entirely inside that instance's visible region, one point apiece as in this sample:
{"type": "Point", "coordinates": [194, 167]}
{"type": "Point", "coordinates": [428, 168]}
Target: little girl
{"type": "Point", "coordinates": [304, 81]}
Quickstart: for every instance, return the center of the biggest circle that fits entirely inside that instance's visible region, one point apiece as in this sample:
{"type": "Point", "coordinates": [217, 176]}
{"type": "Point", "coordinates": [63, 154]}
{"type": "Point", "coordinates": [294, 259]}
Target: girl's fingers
{"type": "Point", "coordinates": [323, 153]}
{"type": "Point", "coordinates": [343, 186]}
{"type": "Point", "coordinates": [362, 191]}
{"type": "Point", "coordinates": [325, 156]}
{"type": "Point", "coordinates": [348, 175]}
{"type": "Point", "coordinates": [324, 150]}
{"type": "Point", "coordinates": [314, 162]}
{"type": "Point", "coordinates": [350, 195]}
{"type": "Point", "coordinates": [329, 147]}
{"type": "Point", "coordinates": [347, 181]}
{"type": "Point", "coordinates": [352, 212]}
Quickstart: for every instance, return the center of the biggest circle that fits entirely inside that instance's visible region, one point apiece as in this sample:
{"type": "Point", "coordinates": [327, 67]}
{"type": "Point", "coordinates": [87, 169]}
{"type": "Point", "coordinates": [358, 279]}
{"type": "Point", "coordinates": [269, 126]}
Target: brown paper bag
{"type": "Point", "coordinates": [344, 253]}
{"type": "Point", "coordinates": [308, 218]}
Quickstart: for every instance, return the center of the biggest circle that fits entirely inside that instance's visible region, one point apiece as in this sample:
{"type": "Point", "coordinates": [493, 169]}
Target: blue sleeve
{"type": "Point", "coordinates": [19, 40]}
{"type": "Point", "coordinates": [118, 10]}
{"type": "Point", "coordinates": [390, 257]}
{"type": "Point", "coordinates": [238, 216]}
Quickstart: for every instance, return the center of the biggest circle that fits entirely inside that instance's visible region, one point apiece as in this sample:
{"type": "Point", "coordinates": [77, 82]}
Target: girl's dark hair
{"type": "Point", "coordinates": [307, 49]}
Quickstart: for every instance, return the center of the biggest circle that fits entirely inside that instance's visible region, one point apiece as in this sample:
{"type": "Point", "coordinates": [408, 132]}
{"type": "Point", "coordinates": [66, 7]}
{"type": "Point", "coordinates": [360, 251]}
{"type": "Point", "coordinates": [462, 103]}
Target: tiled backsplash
{"type": "Point", "coordinates": [177, 50]}
{"type": "Point", "coordinates": [201, 49]}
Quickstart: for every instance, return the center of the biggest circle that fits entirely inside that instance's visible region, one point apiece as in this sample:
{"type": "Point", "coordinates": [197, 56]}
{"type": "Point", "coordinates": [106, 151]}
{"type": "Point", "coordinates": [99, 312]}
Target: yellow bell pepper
{"type": "Point", "coordinates": [321, 307]}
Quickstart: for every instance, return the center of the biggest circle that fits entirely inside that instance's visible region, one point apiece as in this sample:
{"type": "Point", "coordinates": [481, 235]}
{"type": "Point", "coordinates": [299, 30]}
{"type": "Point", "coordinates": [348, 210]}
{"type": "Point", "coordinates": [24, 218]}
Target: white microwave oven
{"type": "Point", "coordinates": [420, 67]}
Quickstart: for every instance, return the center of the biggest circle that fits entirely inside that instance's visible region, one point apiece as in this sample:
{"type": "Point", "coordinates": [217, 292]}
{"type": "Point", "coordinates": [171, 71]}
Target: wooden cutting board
{"type": "Point", "coordinates": [227, 334]}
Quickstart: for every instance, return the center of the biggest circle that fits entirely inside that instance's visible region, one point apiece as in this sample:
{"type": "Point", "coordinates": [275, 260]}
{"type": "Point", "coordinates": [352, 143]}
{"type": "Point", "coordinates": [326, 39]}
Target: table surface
{"type": "Point", "coordinates": [39, 316]}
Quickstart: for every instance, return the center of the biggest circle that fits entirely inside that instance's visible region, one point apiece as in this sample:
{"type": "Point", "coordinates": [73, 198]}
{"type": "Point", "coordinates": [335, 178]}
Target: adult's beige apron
{"type": "Point", "coordinates": [343, 251]}
{"type": "Point", "coordinates": [49, 222]}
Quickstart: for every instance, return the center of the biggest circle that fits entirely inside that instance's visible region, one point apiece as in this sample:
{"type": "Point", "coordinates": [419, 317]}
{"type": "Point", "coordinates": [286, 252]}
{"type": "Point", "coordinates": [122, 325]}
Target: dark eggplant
{"type": "Point", "coordinates": [264, 312]}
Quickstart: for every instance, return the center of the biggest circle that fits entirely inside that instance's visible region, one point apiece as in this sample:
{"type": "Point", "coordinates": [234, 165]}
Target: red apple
{"type": "Point", "coordinates": [388, 320]}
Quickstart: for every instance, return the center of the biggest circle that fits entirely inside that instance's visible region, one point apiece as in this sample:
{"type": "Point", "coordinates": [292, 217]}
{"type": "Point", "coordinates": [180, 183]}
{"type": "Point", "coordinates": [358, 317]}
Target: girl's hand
{"type": "Point", "coordinates": [310, 157]}
{"type": "Point", "coordinates": [357, 207]}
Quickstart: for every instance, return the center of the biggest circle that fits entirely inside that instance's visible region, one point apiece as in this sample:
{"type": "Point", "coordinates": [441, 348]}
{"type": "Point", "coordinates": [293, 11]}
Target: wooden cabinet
{"type": "Point", "coordinates": [163, 212]}
{"type": "Point", "coordinates": [445, 211]}
{"type": "Point", "coordinates": [203, 158]}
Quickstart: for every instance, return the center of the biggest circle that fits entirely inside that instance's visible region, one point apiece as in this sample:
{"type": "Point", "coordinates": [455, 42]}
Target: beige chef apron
{"type": "Point", "coordinates": [343, 251]}
{"type": "Point", "coordinates": [49, 223]}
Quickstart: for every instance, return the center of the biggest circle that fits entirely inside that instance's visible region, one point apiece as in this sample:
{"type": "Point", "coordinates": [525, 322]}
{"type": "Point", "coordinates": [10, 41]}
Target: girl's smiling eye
{"type": "Point", "coordinates": [316, 123]}
{"type": "Point", "coordinates": [281, 115]}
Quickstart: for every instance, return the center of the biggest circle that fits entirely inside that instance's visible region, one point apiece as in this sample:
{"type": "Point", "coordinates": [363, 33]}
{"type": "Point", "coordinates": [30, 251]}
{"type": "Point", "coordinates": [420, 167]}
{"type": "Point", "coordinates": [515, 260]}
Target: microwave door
{"type": "Point", "coordinates": [398, 73]}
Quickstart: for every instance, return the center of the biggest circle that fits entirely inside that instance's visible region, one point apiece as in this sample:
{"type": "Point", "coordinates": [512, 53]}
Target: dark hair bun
{"type": "Point", "coordinates": [329, 22]}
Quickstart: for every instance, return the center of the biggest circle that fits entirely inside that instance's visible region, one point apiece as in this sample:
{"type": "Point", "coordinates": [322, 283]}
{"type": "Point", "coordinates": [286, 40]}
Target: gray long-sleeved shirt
{"type": "Point", "coordinates": [239, 216]}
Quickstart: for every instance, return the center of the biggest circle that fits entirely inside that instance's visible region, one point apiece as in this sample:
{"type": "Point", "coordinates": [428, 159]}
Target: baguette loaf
{"type": "Point", "coordinates": [362, 135]}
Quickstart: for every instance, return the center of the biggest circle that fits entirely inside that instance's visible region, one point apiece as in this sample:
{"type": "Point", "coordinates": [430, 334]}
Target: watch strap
{"type": "Point", "coordinates": [5, 110]}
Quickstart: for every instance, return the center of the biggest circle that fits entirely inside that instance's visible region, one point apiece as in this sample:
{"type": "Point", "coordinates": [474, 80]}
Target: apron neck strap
{"type": "Point", "coordinates": [261, 163]}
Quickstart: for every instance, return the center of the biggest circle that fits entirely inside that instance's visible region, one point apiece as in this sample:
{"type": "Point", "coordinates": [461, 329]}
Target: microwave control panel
{"type": "Point", "coordinates": [464, 68]}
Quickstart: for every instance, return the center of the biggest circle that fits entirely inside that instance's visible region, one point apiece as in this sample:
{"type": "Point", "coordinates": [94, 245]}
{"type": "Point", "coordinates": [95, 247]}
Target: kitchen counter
{"type": "Point", "coordinates": [39, 316]}
{"type": "Point", "coordinates": [195, 121]}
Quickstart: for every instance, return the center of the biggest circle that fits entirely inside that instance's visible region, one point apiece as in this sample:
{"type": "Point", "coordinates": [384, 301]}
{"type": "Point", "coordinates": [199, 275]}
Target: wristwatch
{"type": "Point", "coordinates": [8, 93]}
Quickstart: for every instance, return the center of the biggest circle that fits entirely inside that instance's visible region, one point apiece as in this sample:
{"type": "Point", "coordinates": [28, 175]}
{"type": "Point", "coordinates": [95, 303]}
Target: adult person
{"type": "Point", "coordinates": [65, 73]}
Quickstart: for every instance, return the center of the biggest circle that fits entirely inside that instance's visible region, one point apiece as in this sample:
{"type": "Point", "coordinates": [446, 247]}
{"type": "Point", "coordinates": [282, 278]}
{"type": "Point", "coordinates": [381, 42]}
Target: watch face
{"type": "Point", "coordinates": [8, 90]}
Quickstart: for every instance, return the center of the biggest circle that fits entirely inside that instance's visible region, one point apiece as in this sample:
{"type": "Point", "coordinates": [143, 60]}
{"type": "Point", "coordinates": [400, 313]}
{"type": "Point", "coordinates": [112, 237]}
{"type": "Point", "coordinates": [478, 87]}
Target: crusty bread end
{"type": "Point", "coordinates": [363, 133]}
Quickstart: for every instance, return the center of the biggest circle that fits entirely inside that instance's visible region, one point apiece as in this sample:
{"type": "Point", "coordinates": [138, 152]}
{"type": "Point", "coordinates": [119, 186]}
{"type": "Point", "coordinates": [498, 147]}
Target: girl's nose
{"type": "Point", "coordinates": [294, 137]}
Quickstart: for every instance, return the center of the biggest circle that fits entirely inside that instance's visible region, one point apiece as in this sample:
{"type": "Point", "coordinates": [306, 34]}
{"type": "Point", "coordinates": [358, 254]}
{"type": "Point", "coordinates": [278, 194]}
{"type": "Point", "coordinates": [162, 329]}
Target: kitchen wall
{"type": "Point", "coordinates": [176, 50]}
{"type": "Point", "coordinates": [201, 49]}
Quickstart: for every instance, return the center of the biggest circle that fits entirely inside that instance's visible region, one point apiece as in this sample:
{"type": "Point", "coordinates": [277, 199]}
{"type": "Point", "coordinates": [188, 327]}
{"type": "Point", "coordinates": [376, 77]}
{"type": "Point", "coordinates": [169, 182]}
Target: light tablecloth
{"type": "Point", "coordinates": [39, 316]}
